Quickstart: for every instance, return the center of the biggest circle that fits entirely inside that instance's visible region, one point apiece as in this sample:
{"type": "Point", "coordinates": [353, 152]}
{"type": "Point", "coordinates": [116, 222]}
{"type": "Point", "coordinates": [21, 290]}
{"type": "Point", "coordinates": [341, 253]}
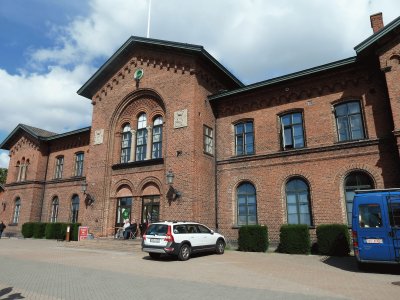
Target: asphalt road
{"type": "Point", "coordinates": [45, 269]}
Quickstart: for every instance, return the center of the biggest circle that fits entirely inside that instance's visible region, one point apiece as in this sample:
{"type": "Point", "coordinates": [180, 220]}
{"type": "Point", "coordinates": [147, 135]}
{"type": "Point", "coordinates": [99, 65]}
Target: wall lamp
{"type": "Point", "coordinates": [172, 194]}
{"type": "Point", "coordinates": [3, 204]}
{"type": "Point", "coordinates": [89, 199]}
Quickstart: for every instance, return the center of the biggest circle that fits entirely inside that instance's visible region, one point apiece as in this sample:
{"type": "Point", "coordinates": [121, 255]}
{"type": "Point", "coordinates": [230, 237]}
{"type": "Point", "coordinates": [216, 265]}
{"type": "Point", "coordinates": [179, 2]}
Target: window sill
{"type": "Point", "coordinates": [141, 163]}
{"type": "Point", "coordinates": [13, 224]}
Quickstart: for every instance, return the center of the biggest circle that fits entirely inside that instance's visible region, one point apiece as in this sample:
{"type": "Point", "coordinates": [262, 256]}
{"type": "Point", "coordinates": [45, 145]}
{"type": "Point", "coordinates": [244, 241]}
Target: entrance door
{"type": "Point", "coordinates": [124, 208]}
{"type": "Point", "coordinates": [394, 221]}
{"type": "Point", "coordinates": [150, 209]}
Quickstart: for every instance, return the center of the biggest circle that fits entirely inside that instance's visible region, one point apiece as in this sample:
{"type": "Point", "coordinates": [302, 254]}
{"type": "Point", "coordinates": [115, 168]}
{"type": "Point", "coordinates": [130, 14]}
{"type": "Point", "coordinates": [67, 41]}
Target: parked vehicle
{"type": "Point", "coordinates": [376, 226]}
{"type": "Point", "coordinates": [181, 239]}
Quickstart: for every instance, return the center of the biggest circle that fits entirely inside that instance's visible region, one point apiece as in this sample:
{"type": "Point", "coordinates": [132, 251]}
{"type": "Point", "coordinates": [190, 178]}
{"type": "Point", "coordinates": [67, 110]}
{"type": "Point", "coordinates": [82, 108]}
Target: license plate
{"type": "Point", "coordinates": [374, 241]}
{"type": "Point", "coordinates": [154, 240]}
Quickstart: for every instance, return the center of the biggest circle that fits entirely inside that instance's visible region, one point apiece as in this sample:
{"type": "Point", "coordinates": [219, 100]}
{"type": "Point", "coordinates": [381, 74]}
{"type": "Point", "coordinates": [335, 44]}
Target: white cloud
{"type": "Point", "coordinates": [4, 159]}
{"type": "Point", "coordinates": [255, 39]}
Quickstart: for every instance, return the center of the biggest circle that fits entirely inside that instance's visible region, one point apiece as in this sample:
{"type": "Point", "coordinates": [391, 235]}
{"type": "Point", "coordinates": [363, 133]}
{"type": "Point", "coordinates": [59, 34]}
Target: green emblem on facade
{"type": "Point", "coordinates": [138, 74]}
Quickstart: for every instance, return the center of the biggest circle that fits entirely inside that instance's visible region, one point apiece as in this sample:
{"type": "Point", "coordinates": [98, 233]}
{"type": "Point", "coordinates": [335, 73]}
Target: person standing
{"type": "Point", "coordinates": [2, 227]}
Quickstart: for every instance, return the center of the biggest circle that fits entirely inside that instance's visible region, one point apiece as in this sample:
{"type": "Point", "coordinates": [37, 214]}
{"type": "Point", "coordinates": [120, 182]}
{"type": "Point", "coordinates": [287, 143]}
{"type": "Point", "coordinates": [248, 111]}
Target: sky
{"type": "Point", "coordinates": [50, 48]}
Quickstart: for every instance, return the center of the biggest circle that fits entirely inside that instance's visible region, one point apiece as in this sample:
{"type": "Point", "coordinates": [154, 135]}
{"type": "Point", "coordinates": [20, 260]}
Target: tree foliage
{"type": "Point", "coordinates": [3, 175]}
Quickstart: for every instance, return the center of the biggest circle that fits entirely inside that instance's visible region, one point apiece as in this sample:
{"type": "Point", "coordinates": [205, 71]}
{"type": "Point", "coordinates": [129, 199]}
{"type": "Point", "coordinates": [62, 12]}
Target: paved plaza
{"type": "Point", "coordinates": [47, 269]}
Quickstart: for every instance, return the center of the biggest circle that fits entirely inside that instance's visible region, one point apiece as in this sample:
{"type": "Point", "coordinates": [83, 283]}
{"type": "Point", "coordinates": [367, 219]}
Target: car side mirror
{"type": "Point", "coordinates": [212, 231]}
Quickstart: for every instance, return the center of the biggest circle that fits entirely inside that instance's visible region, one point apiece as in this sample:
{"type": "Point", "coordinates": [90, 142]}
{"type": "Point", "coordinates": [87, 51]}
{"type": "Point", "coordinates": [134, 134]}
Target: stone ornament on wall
{"type": "Point", "coordinates": [180, 118]}
{"type": "Point", "coordinates": [98, 136]}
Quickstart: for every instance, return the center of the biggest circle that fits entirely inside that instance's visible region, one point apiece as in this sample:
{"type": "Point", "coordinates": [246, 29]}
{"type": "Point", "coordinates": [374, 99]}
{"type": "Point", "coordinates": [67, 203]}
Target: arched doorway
{"type": "Point", "coordinates": [124, 206]}
{"type": "Point", "coordinates": [150, 204]}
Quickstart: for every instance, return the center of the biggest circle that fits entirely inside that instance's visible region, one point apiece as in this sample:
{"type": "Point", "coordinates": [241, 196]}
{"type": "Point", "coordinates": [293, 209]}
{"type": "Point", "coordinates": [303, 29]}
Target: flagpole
{"type": "Point", "coordinates": [148, 20]}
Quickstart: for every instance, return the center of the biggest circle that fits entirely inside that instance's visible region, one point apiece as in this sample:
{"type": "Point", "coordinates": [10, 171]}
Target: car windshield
{"type": "Point", "coordinates": [157, 229]}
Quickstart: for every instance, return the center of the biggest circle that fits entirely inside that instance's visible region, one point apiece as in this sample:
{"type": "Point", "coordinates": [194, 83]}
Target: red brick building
{"type": "Point", "coordinates": [287, 150]}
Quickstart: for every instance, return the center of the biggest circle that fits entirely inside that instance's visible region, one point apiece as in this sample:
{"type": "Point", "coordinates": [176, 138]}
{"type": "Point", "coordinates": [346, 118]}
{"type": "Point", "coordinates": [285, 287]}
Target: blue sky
{"type": "Point", "coordinates": [49, 48]}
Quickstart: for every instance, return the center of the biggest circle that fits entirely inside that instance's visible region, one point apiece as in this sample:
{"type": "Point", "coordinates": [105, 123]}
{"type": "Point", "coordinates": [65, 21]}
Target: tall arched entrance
{"type": "Point", "coordinates": [150, 204]}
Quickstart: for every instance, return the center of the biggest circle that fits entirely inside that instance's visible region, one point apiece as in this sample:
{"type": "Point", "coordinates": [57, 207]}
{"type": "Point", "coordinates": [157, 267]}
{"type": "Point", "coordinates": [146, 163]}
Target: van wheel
{"type": "Point", "coordinates": [184, 252]}
{"type": "Point", "coordinates": [155, 255]}
{"type": "Point", "coordinates": [220, 247]}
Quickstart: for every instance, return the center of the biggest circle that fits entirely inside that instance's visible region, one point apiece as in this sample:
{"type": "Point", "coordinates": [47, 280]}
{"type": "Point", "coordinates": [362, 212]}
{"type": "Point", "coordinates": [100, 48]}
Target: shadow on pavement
{"type": "Point", "coordinates": [349, 263]}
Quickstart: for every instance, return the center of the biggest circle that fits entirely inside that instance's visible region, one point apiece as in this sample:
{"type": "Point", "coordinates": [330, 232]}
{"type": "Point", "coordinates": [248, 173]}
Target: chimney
{"type": "Point", "coordinates": [376, 22]}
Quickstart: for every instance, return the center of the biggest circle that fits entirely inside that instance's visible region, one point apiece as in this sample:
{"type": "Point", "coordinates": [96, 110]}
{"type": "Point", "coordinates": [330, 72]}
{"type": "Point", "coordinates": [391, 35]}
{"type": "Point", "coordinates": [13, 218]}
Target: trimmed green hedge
{"type": "Point", "coordinates": [294, 239]}
{"type": "Point", "coordinates": [253, 238]}
{"type": "Point", "coordinates": [27, 230]}
{"type": "Point", "coordinates": [333, 239]}
{"type": "Point", "coordinates": [39, 230]}
{"type": "Point", "coordinates": [57, 231]}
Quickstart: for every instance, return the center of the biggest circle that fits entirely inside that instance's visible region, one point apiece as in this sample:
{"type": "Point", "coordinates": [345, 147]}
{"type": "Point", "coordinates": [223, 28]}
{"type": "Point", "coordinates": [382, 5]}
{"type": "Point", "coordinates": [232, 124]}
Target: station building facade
{"type": "Point", "coordinates": [176, 136]}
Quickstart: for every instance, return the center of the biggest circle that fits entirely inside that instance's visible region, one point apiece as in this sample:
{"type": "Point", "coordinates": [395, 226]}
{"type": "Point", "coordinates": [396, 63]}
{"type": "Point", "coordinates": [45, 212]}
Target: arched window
{"type": "Point", "coordinates": [349, 121]}
{"type": "Point", "coordinates": [244, 138]}
{"type": "Point", "coordinates": [141, 138]}
{"type": "Point", "coordinates": [17, 210]}
{"type": "Point", "coordinates": [355, 181]}
{"type": "Point", "coordinates": [74, 208]}
{"type": "Point", "coordinates": [298, 202]}
{"type": "Point", "coordinates": [18, 171]}
{"type": "Point", "coordinates": [246, 204]}
{"type": "Point", "coordinates": [157, 138]}
{"type": "Point", "coordinates": [126, 143]}
{"type": "Point", "coordinates": [54, 210]}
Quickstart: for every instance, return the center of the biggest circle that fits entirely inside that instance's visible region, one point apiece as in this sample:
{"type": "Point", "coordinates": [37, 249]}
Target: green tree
{"type": "Point", "coordinates": [3, 175]}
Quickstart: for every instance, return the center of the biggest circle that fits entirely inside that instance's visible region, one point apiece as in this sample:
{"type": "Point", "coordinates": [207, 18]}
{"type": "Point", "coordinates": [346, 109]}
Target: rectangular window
{"type": "Point", "coordinates": [141, 144]}
{"type": "Point", "coordinates": [157, 142]}
{"type": "Point", "coordinates": [59, 167]}
{"type": "Point", "coordinates": [292, 131]}
{"type": "Point", "coordinates": [208, 140]}
{"type": "Point", "coordinates": [79, 164]}
{"type": "Point", "coordinates": [370, 215]}
{"type": "Point", "coordinates": [244, 138]}
{"type": "Point", "coordinates": [349, 121]}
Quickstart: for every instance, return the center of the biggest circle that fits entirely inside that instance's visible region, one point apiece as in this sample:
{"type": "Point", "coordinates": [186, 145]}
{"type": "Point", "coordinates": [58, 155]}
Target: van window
{"type": "Point", "coordinates": [369, 215]}
{"type": "Point", "coordinates": [394, 214]}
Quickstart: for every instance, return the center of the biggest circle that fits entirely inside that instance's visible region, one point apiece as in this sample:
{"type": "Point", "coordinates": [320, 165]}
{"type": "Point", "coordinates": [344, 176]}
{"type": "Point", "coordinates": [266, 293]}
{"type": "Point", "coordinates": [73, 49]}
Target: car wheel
{"type": "Point", "coordinates": [184, 252]}
{"type": "Point", "coordinates": [220, 247]}
{"type": "Point", "coordinates": [155, 255]}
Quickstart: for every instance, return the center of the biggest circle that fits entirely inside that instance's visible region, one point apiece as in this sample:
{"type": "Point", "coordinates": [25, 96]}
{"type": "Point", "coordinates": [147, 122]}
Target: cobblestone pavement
{"type": "Point", "coordinates": [46, 269]}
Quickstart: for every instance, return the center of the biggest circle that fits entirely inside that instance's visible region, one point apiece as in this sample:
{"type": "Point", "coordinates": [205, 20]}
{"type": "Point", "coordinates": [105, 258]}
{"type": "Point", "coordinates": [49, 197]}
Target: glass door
{"type": "Point", "coordinates": [150, 209]}
{"type": "Point", "coordinates": [124, 208]}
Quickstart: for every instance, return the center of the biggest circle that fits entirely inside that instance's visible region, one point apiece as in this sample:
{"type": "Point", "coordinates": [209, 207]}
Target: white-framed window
{"type": "Point", "coordinates": [126, 143]}
{"type": "Point", "coordinates": [208, 145]}
{"type": "Point", "coordinates": [141, 137]}
{"type": "Point", "coordinates": [17, 210]}
{"type": "Point", "coordinates": [59, 167]}
{"type": "Point", "coordinates": [246, 204]}
{"type": "Point", "coordinates": [54, 210]}
{"type": "Point", "coordinates": [79, 164]}
{"type": "Point", "coordinates": [157, 138]}
{"type": "Point", "coordinates": [349, 121]}
{"type": "Point", "coordinates": [74, 208]}
{"type": "Point", "coordinates": [292, 132]}
{"type": "Point", "coordinates": [298, 202]}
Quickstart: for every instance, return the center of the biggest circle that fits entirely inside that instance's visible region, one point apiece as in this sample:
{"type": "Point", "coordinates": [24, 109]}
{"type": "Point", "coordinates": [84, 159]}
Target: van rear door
{"type": "Point", "coordinates": [373, 239]}
{"type": "Point", "coordinates": [393, 202]}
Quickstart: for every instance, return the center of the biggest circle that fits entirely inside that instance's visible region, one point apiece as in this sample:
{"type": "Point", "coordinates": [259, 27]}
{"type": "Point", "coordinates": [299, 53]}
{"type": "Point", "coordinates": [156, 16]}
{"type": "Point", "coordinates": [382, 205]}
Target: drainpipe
{"type": "Point", "coordinates": [215, 178]}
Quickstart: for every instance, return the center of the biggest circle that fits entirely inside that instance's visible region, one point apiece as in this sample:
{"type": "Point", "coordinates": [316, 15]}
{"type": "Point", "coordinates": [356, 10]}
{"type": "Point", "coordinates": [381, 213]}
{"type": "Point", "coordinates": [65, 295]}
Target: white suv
{"type": "Point", "coordinates": [181, 239]}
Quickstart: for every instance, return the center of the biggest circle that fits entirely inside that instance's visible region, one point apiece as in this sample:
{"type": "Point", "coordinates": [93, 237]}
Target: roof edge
{"type": "Point", "coordinates": [280, 79]}
{"type": "Point", "coordinates": [85, 92]}
{"type": "Point", "coordinates": [377, 35]}
{"type": "Point", "coordinates": [61, 135]}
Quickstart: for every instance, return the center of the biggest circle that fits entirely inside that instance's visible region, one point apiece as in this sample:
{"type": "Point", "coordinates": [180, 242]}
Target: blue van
{"type": "Point", "coordinates": [376, 226]}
